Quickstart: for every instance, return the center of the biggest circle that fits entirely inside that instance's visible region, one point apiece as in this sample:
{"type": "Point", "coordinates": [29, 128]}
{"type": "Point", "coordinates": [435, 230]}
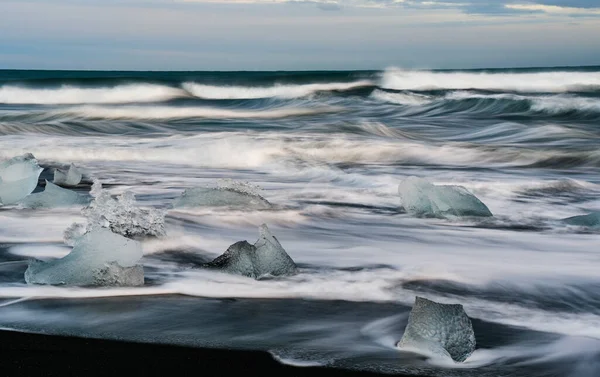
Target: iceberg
{"type": "Point", "coordinates": [421, 198]}
{"type": "Point", "coordinates": [54, 196]}
{"type": "Point", "coordinates": [98, 258]}
{"type": "Point", "coordinates": [438, 330]}
{"type": "Point", "coordinates": [18, 178]}
{"type": "Point", "coordinates": [71, 177]}
{"type": "Point", "coordinates": [229, 193]}
{"type": "Point", "coordinates": [266, 257]}
{"type": "Point", "coordinates": [591, 220]}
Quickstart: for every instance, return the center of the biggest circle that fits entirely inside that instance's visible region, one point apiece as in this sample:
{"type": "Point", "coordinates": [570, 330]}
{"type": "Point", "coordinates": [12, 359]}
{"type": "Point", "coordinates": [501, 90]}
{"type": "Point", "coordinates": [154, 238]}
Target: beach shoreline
{"type": "Point", "coordinates": [28, 354]}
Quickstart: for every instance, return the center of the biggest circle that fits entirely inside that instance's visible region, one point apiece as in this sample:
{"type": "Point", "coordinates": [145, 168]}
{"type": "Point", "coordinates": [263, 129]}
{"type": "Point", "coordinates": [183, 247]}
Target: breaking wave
{"type": "Point", "coordinates": [555, 81]}
{"type": "Point", "coordinates": [68, 95]}
{"type": "Point", "coordinates": [257, 92]}
{"type": "Point", "coordinates": [173, 112]}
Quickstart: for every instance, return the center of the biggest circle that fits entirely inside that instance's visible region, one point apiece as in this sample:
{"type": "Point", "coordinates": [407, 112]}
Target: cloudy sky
{"type": "Point", "coordinates": [297, 35]}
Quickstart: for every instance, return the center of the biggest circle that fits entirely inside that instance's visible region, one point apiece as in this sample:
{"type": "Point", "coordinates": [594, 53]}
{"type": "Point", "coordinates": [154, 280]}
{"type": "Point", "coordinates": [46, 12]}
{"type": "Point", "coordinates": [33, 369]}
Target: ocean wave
{"type": "Point", "coordinates": [408, 99]}
{"type": "Point", "coordinates": [175, 112]}
{"type": "Point", "coordinates": [272, 151]}
{"type": "Point", "coordinates": [554, 105]}
{"type": "Point", "coordinates": [66, 95]}
{"type": "Point", "coordinates": [554, 81]}
{"type": "Point", "coordinates": [281, 91]}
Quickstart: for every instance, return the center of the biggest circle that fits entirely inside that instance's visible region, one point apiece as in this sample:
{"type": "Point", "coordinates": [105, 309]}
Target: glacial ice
{"type": "Point", "coordinates": [421, 198]}
{"type": "Point", "coordinates": [18, 178]}
{"type": "Point", "coordinates": [439, 330]}
{"type": "Point", "coordinates": [122, 216]}
{"type": "Point", "coordinates": [54, 196]}
{"type": "Point", "coordinates": [591, 220]}
{"type": "Point", "coordinates": [265, 257]}
{"type": "Point", "coordinates": [71, 177]}
{"type": "Point", "coordinates": [98, 258]}
{"type": "Point", "coordinates": [229, 193]}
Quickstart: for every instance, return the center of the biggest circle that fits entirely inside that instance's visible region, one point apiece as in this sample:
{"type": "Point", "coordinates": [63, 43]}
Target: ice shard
{"type": "Point", "coordinates": [422, 198]}
{"type": "Point", "coordinates": [98, 258]}
{"type": "Point", "coordinates": [591, 220]}
{"type": "Point", "coordinates": [266, 257]}
{"type": "Point", "coordinates": [70, 177]}
{"type": "Point", "coordinates": [124, 217]}
{"type": "Point", "coordinates": [228, 193]}
{"type": "Point", "coordinates": [18, 178]}
{"type": "Point", "coordinates": [438, 330]}
{"type": "Point", "coordinates": [54, 196]}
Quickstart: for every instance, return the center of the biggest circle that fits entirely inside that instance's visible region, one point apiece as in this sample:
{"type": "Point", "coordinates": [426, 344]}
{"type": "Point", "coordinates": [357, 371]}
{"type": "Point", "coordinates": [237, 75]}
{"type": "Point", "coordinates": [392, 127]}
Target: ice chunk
{"type": "Point", "coordinates": [71, 177]}
{"type": "Point", "coordinates": [228, 193]}
{"type": "Point", "coordinates": [421, 198]}
{"type": "Point", "coordinates": [265, 257]}
{"type": "Point", "coordinates": [123, 216]}
{"type": "Point", "coordinates": [591, 220]}
{"type": "Point", "coordinates": [439, 330]}
{"type": "Point", "coordinates": [18, 178]}
{"type": "Point", "coordinates": [99, 258]}
{"type": "Point", "coordinates": [54, 196]}
{"type": "Point", "coordinates": [271, 257]}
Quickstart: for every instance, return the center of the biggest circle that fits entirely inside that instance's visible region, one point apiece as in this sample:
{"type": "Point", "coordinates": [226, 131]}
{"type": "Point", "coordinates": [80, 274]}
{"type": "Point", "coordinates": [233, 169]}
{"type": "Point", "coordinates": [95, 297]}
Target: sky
{"type": "Point", "coordinates": [297, 35]}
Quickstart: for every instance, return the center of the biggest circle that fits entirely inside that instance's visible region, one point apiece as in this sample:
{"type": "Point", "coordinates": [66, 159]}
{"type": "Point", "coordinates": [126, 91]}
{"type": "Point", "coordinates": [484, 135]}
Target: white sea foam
{"type": "Point", "coordinates": [281, 91]}
{"type": "Point", "coordinates": [174, 112]}
{"type": "Point", "coordinates": [75, 95]}
{"type": "Point", "coordinates": [555, 81]}
{"type": "Point", "coordinates": [269, 150]}
{"type": "Point", "coordinates": [407, 99]}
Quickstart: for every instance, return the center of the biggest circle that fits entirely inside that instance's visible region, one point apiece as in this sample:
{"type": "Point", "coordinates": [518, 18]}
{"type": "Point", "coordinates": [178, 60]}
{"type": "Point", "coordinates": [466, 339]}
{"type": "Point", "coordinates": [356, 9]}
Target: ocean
{"type": "Point", "coordinates": [328, 150]}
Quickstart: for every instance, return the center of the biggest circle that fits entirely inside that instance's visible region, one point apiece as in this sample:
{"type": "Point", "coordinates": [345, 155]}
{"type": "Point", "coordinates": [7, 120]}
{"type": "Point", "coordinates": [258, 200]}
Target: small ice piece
{"type": "Point", "coordinates": [438, 330]}
{"type": "Point", "coordinates": [123, 216]}
{"type": "Point", "coordinates": [18, 178]}
{"type": "Point", "coordinates": [421, 198]}
{"type": "Point", "coordinates": [99, 258]}
{"type": "Point", "coordinates": [591, 220]}
{"type": "Point", "coordinates": [265, 257]}
{"type": "Point", "coordinates": [54, 196]}
{"type": "Point", "coordinates": [71, 177]}
{"type": "Point", "coordinates": [229, 193]}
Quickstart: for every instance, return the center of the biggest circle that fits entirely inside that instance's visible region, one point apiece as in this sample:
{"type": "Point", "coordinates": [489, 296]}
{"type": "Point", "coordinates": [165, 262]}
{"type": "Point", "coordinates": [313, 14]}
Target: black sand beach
{"type": "Point", "coordinates": [25, 354]}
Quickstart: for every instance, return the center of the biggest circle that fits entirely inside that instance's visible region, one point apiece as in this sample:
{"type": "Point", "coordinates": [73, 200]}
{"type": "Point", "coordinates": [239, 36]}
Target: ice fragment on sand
{"type": "Point", "coordinates": [421, 198]}
{"type": "Point", "coordinates": [99, 258]}
{"type": "Point", "coordinates": [70, 177]}
{"type": "Point", "coordinates": [54, 196]}
{"type": "Point", "coordinates": [18, 178]}
{"type": "Point", "coordinates": [265, 257]}
{"type": "Point", "coordinates": [439, 330]}
{"type": "Point", "coordinates": [591, 220]}
{"type": "Point", "coordinates": [228, 193]}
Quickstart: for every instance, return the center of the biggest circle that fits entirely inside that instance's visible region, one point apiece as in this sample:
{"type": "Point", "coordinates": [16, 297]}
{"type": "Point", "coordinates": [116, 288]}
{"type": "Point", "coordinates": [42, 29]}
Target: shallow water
{"type": "Point", "coordinates": [328, 150]}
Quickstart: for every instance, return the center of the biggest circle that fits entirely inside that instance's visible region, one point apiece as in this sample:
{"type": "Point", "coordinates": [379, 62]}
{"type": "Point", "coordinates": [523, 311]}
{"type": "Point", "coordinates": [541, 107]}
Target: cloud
{"type": "Point", "coordinates": [554, 9]}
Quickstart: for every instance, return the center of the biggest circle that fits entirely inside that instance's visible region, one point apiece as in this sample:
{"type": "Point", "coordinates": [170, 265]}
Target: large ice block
{"type": "Point", "coordinates": [229, 193]}
{"type": "Point", "coordinates": [98, 258]}
{"type": "Point", "coordinates": [18, 178]}
{"type": "Point", "coordinates": [54, 196]}
{"type": "Point", "coordinates": [438, 330]}
{"type": "Point", "coordinates": [70, 177]}
{"type": "Point", "coordinates": [266, 257]}
{"type": "Point", "coordinates": [421, 198]}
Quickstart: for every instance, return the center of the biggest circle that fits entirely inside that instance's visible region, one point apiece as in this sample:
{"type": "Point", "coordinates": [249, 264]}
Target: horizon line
{"type": "Point", "coordinates": [307, 70]}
